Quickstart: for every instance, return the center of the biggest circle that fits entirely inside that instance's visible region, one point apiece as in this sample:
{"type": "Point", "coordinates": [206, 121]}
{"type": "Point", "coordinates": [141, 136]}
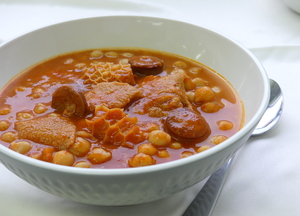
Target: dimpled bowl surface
{"type": "Point", "coordinates": [114, 187]}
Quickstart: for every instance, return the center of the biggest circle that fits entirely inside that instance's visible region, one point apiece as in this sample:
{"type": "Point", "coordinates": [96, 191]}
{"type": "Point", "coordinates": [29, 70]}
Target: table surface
{"type": "Point", "coordinates": [265, 176]}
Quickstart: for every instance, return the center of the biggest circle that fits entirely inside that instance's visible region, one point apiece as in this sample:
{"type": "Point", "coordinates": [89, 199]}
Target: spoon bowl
{"type": "Point", "coordinates": [273, 111]}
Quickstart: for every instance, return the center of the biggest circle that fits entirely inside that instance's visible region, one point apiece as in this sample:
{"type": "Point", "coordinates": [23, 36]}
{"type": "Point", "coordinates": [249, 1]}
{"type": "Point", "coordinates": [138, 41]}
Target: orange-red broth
{"type": "Point", "coordinates": [36, 84]}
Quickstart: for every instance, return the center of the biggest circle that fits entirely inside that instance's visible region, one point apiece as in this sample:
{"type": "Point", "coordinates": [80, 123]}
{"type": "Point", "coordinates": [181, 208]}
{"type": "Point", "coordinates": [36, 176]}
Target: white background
{"type": "Point", "coordinates": [265, 177]}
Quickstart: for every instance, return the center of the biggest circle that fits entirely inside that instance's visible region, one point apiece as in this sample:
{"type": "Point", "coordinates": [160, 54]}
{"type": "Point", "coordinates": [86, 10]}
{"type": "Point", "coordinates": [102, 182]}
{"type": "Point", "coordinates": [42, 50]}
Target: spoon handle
{"type": "Point", "coordinates": [206, 199]}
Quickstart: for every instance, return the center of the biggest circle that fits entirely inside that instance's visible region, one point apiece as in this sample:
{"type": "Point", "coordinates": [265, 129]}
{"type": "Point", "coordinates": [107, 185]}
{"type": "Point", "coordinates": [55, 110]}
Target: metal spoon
{"type": "Point", "coordinates": [206, 199]}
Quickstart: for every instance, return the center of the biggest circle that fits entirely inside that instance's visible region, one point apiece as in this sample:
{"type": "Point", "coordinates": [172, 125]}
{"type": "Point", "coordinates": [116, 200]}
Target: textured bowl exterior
{"type": "Point", "coordinates": [116, 187]}
{"type": "Point", "coordinates": [122, 189]}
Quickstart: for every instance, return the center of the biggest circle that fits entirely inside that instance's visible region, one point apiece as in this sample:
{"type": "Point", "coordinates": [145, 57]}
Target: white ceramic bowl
{"type": "Point", "coordinates": [129, 186]}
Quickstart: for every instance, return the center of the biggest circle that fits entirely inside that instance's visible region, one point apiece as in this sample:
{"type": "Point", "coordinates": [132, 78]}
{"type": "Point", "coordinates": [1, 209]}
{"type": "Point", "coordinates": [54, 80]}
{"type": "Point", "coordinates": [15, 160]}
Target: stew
{"type": "Point", "coordinates": [117, 108]}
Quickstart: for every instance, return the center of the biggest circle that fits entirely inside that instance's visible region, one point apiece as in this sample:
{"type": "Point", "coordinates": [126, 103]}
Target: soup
{"type": "Point", "coordinates": [117, 108]}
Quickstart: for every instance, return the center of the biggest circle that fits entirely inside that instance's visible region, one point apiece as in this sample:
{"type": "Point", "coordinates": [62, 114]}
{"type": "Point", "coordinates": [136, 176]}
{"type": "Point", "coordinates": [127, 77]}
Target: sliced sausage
{"type": "Point", "coordinates": [146, 65]}
{"type": "Point", "coordinates": [69, 102]}
{"type": "Point", "coordinates": [184, 123]}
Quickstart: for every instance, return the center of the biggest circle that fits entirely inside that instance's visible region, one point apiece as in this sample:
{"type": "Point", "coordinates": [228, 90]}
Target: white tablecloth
{"type": "Point", "coordinates": [265, 177]}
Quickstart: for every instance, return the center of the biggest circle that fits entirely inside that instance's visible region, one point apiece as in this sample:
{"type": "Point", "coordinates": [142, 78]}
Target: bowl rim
{"type": "Point", "coordinates": [158, 167]}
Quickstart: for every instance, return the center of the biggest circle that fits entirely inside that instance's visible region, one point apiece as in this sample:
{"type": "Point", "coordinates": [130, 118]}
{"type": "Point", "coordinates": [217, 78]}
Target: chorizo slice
{"type": "Point", "coordinates": [184, 123]}
{"type": "Point", "coordinates": [56, 131]}
{"type": "Point", "coordinates": [69, 102]}
{"type": "Point", "coordinates": [146, 65]}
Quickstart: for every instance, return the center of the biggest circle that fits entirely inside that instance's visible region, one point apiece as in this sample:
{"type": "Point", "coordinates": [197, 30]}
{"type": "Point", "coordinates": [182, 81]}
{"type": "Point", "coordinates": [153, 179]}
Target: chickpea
{"type": "Point", "coordinates": [4, 125]}
{"type": "Point", "coordinates": [22, 147]}
{"type": "Point", "coordinates": [178, 71]}
{"type": "Point", "coordinates": [36, 155]}
{"type": "Point", "coordinates": [80, 66]}
{"type": "Point", "coordinates": [218, 139]}
{"type": "Point", "coordinates": [63, 157]}
{"type": "Point", "coordinates": [204, 94]}
{"type": "Point", "coordinates": [141, 159]}
{"type": "Point", "coordinates": [196, 70]}
{"type": "Point", "coordinates": [202, 148]}
{"type": "Point", "coordinates": [5, 111]}
{"type": "Point", "coordinates": [159, 138]}
{"type": "Point", "coordinates": [54, 114]}
{"type": "Point", "coordinates": [23, 116]}
{"type": "Point", "coordinates": [37, 92]}
{"type": "Point", "coordinates": [111, 54]}
{"type": "Point", "coordinates": [84, 134]}
{"type": "Point", "coordinates": [97, 54]}
{"type": "Point", "coordinates": [9, 137]}
{"type": "Point", "coordinates": [211, 107]}
{"type": "Point", "coordinates": [216, 89]}
{"type": "Point", "coordinates": [82, 164]}
{"type": "Point", "coordinates": [225, 125]}
{"type": "Point", "coordinates": [128, 55]}
{"type": "Point", "coordinates": [189, 85]}
{"type": "Point", "coordinates": [191, 96]}
{"type": "Point", "coordinates": [46, 85]}
{"type": "Point", "coordinates": [106, 74]}
{"type": "Point", "coordinates": [179, 64]}
{"type": "Point", "coordinates": [115, 67]}
{"type": "Point", "coordinates": [81, 147]}
{"type": "Point", "coordinates": [176, 145]}
{"type": "Point", "coordinates": [47, 154]}
{"type": "Point", "coordinates": [69, 61]}
{"type": "Point", "coordinates": [99, 155]}
{"type": "Point", "coordinates": [124, 61]}
{"type": "Point", "coordinates": [40, 108]}
{"type": "Point", "coordinates": [186, 154]}
{"type": "Point", "coordinates": [199, 82]}
{"type": "Point", "coordinates": [163, 154]}
{"type": "Point", "coordinates": [147, 149]}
